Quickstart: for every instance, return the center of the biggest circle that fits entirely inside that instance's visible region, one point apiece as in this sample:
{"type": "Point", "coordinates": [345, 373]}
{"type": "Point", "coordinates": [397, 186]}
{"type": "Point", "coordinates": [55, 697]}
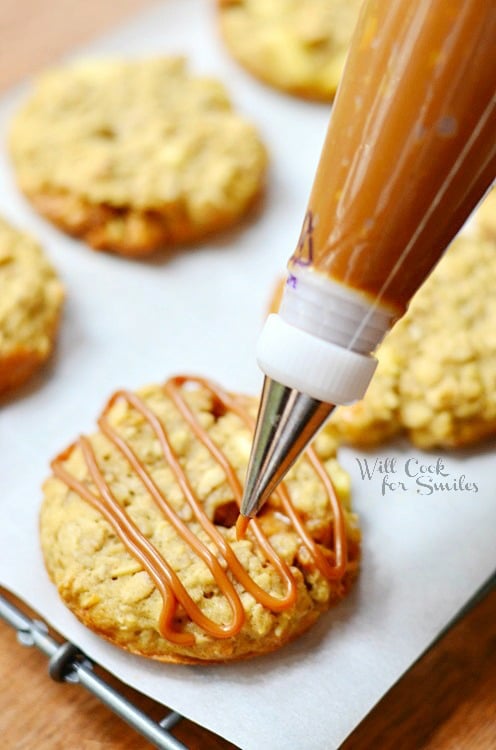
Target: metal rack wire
{"type": "Point", "coordinates": [66, 663]}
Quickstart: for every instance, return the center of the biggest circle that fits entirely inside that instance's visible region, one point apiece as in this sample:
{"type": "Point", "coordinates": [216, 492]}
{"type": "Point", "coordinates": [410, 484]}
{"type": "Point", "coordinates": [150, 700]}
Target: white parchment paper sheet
{"type": "Point", "coordinates": [128, 323]}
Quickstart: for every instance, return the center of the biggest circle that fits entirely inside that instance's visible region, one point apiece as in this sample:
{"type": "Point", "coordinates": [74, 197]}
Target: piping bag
{"type": "Point", "coordinates": [410, 151]}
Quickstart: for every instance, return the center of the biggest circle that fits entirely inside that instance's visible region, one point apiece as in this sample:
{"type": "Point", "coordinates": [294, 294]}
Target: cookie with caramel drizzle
{"type": "Point", "coordinates": [138, 529]}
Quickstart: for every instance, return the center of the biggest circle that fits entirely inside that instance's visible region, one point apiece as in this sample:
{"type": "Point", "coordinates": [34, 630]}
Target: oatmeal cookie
{"type": "Point", "coordinates": [299, 46]}
{"type": "Point", "coordinates": [136, 156]}
{"type": "Point", "coordinates": [138, 530]}
{"type": "Point", "coordinates": [31, 298]}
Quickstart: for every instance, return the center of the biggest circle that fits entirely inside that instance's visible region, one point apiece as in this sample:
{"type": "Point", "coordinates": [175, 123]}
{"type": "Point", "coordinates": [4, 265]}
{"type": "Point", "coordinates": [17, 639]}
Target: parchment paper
{"type": "Point", "coordinates": [128, 323]}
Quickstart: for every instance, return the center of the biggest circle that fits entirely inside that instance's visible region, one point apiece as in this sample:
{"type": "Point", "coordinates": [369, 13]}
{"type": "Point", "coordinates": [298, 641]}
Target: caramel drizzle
{"type": "Point", "coordinates": [166, 580]}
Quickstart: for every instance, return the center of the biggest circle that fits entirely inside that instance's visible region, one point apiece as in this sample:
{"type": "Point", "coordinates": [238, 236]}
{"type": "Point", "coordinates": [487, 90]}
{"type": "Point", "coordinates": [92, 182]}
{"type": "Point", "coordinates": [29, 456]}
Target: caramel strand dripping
{"type": "Point", "coordinates": [241, 527]}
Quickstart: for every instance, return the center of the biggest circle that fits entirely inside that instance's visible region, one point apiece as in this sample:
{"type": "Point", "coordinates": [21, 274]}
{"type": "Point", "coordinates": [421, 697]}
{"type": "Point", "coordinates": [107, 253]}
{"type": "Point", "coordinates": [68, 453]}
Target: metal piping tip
{"type": "Point", "coordinates": [287, 421]}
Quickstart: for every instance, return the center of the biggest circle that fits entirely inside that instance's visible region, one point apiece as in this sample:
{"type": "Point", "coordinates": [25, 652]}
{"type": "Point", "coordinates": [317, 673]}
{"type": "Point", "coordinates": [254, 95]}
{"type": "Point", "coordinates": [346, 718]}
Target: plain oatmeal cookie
{"type": "Point", "coordinates": [299, 46]}
{"type": "Point", "coordinates": [31, 298]}
{"type": "Point", "coordinates": [134, 156]}
{"type": "Point", "coordinates": [164, 474]}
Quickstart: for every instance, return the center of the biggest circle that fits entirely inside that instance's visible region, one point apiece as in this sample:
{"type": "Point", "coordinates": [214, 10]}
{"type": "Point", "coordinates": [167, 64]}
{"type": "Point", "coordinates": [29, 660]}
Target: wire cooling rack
{"type": "Point", "coordinates": [66, 663]}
